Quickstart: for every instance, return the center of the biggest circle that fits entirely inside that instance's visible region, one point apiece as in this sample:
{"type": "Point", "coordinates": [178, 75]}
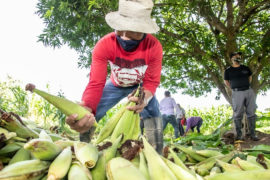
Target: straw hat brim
{"type": "Point", "coordinates": [125, 23]}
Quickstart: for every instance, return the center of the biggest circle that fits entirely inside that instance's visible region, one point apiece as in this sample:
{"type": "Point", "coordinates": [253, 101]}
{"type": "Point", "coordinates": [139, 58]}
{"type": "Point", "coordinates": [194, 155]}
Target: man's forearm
{"type": "Point", "coordinates": [148, 96]}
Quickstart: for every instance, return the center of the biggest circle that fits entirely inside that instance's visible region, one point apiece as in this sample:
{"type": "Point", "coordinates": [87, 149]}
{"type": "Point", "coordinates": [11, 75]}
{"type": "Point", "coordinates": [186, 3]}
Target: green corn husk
{"type": "Point", "coordinates": [203, 168]}
{"type": "Point", "coordinates": [143, 166]}
{"type": "Point", "coordinates": [245, 175]}
{"type": "Point", "coordinates": [61, 164]}
{"type": "Point", "coordinates": [208, 153]}
{"type": "Point", "coordinates": [64, 143]}
{"type": "Point", "coordinates": [215, 170]}
{"type": "Point", "coordinates": [124, 125]}
{"type": "Point", "coordinates": [177, 160]}
{"type": "Point", "coordinates": [42, 149]}
{"type": "Point", "coordinates": [99, 171]}
{"type": "Point", "coordinates": [136, 161]}
{"type": "Point", "coordinates": [122, 169]}
{"type": "Point", "coordinates": [44, 135]}
{"type": "Point", "coordinates": [137, 129]}
{"type": "Point", "coordinates": [6, 135]}
{"type": "Point", "coordinates": [86, 153]}
{"type": "Point", "coordinates": [24, 170]}
{"type": "Point", "coordinates": [13, 123]}
{"type": "Point", "coordinates": [158, 169]}
{"type": "Point", "coordinates": [179, 172]}
{"type": "Point", "coordinates": [191, 153]}
{"type": "Point", "coordinates": [228, 167]}
{"type": "Point", "coordinates": [64, 105]}
{"type": "Point", "coordinates": [10, 149]}
{"type": "Point", "coordinates": [108, 128]}
{"type": "Point", "coordinates": [55, 137]}
{"type": "Point", "coordinates": [245, 165]}
{"type": "Point", "coordinates": [253, 160]}
{"type": "Point", "coordinates": [21, 155]}
{"type": "Point", "coordinates": [78, 171]}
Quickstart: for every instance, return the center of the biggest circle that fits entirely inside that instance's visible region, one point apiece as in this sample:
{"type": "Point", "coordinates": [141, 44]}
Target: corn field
{"type": "Point", "coordinates": [36, 144]}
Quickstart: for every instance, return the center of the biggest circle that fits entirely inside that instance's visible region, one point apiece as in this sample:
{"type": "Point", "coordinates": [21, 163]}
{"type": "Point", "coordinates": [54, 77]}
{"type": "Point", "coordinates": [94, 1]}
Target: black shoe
{"type": "Point", "coordinates": [239, 139]}
{"type": "Point", "coordinates": [254, 138]}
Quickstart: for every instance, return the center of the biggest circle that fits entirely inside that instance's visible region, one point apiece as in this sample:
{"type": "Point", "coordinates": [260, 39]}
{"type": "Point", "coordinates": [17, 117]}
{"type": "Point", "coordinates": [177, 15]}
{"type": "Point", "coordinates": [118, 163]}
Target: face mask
{"type": "Point", "coordinates": [128, 45]}
{"type": "Point", "coordinates": [237, 60]}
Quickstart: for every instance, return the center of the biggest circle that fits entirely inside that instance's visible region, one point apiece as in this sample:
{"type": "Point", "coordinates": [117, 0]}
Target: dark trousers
{"type": "Point", "coordinates": [172, 120]}
{"type": "Point", "coordinates": [198, 126]}
{"type": "Point", "coordinates": [181, 129]}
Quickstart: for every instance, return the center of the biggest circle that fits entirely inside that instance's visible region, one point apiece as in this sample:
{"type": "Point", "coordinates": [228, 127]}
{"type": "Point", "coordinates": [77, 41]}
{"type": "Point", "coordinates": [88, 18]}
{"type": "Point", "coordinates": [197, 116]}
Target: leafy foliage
{"type": "Point", "coordinates": [197, 38]}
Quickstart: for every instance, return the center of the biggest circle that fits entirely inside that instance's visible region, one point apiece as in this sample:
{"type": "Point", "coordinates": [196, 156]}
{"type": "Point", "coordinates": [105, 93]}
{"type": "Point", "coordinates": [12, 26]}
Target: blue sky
{"type": "Point", "coordinates": [25, 59]}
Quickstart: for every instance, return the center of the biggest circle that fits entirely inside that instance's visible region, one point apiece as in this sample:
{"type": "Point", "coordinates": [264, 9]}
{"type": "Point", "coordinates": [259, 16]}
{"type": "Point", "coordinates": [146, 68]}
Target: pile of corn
{"type": "Point", "coordinates": [25, 154]}
{"type": "Point", "coordinates": [116, 155]}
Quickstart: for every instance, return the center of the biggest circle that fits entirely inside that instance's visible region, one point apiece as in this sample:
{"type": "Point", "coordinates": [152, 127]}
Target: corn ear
{"type": "Point", "coordinates": [191, 153]}
{"type": "Point", "coordinates": [124, 125]}
{"type": "Point", "coordinates": [64, 105]}
{"type": "Point", "coordinates": [179, 172]}
{"type": "Point", "coordinates": [108, 128]}
{"type": "Point", "coordinates": [10, 148]}
{"type": "Point", "coordinates": [208, 153]}
{"type": "Point", "coordinates": [86, 153]}
{"type": "Point", "coordinates": [13, 123]}
{"type": "Point", "coordinates": [122, 169]}
{"type": "Point", "coordinates": [61, 164]}
{"type": "Point", "coordinates": [99, 171]}
{"type": "Point", "coordinates": [24, 170]}
{"type": "Point", "coordinates": [137, 129]}
{"type": "Point", "coordinates": [228, 167]}
{"type": "Point", "coordinates": [158, 169]}
{"type": "Point", "coordinates": [245, 175]}
{"type": "Point", "coordinates": [42, 149]}
{"type": "Point", "coordinates": [21, 155]}
{"type": "Point", "coordinates": [64, 143]}
{"type": "Point", "coordinates": [77, 171]}
{"type": "Point", "coordinates": [245, 165]}
{"type": "Point", "coordinates": [177, 160]}
{"type": "Point", "coordinates": [6, 135]}
{"type": "Point", "coordinates": [143, 166]}
{"type": "Point", "coordinates": [44, 135]}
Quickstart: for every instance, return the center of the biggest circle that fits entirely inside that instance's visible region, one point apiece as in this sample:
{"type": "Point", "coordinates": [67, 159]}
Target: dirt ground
{"type": "Point", "coordinates": [264, 139]}
{"type": "Point", "coordinates": [228, 138]}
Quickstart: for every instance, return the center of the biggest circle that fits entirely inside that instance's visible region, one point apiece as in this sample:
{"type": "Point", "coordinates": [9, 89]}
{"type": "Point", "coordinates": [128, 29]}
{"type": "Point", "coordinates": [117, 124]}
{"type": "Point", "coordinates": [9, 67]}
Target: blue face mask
{"type": "Point", "coordinates": [129, 45]}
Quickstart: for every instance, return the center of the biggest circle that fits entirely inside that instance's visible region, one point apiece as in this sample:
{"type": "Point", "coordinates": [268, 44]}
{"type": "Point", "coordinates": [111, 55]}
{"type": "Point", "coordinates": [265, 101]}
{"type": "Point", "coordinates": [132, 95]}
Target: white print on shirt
{"type": "Point", "coordinates": [126, 77]}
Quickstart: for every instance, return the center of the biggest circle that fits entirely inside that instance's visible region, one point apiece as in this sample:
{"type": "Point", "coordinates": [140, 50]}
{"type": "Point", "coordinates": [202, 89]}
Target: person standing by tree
{"type": "Point", "coordinates": [238, 77]}
{"type": "Point", "coordinates": [168, 109]}
{"type": "Point", "coordinates": [135, 57]}
{"type": "Point", "coordinates": [179, 117]}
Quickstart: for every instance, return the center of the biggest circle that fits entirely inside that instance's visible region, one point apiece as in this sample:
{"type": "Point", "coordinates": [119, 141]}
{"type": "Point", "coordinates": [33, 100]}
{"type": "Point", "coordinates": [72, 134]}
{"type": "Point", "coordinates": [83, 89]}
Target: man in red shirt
{"type": "Point", "coordinates": [135, 57]}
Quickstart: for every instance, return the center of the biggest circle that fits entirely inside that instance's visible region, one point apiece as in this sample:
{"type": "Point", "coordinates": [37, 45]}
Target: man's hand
{"type": "Point", "coordinates": [139, 105]}
{"type": "Point", "coordinates": [83, 124]}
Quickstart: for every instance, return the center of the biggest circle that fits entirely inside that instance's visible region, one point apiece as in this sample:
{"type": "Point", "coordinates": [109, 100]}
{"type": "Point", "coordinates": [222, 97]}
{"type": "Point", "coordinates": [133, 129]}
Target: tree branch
{"type": "Point", "coordinates": [251, 11]}
{"type": "Point", "coordinates": [206, 11]}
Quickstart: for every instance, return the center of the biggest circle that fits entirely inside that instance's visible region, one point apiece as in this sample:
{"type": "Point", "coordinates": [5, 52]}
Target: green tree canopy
{"type": "Point", "coordinates": [197, 37]}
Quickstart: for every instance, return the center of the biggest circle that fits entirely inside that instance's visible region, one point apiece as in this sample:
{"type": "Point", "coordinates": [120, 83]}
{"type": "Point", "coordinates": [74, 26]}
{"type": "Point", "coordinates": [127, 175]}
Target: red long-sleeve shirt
{"type": "Point", "coordinates": [127, 68]}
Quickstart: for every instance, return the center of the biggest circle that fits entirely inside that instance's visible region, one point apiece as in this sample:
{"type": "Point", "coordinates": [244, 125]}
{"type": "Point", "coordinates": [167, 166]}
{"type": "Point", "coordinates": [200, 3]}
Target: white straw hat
{"type": "Point", "coordinates": [133, 15]}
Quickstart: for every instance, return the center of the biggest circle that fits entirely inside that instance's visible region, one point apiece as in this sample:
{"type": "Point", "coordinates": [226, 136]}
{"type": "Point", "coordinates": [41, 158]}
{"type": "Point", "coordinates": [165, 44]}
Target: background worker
{"type": "Point", "coordinates": [179, 117]}
{"type": "Point", "coordinates": [168, 109]}
{"type": "Point", "coordinates": [191, 123]}
{"type": "Point", "coordinates": [135, 57]}
{"type": "Point", "coordinates": [238, 78]}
